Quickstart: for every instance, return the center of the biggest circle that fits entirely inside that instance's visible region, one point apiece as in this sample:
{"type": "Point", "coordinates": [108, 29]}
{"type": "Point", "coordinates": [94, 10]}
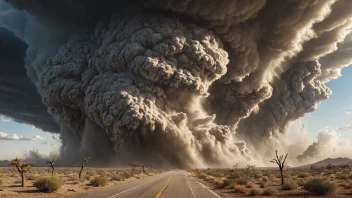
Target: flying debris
{"type": "Point", "coordinates": [176, 83]}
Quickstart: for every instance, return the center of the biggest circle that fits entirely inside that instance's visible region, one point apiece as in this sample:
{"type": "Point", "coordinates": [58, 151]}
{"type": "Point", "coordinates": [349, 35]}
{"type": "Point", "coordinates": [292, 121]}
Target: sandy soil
{"type": "Point", "coordinates": [11, 181]}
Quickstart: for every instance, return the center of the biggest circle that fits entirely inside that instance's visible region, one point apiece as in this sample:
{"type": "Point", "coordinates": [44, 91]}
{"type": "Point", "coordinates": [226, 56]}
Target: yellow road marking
{"type": "Point", "coordinates": [159, 194]}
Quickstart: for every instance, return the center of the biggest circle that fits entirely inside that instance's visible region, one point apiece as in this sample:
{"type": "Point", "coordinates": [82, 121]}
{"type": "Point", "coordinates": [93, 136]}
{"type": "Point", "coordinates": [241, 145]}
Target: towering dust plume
{"type": "Point", "coordinates": [180, 83]}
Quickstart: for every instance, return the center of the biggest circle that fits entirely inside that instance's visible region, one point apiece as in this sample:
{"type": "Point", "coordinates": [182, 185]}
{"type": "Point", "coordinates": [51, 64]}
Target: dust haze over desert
{"type": "Point", "coordinates": [181, 83]}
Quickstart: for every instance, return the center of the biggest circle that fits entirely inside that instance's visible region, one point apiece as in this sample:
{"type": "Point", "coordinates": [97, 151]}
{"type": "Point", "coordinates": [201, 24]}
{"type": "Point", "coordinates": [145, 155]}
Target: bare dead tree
{"type": "Point", "coordinates": [21, 168]}
{"type": "Point", "coordinates": [235, 166]}
{"type": "Point", "coordinates": [85, 160]}
{"type": "Point", "coordinates": [280, 161]}
{"type": "Point", "coordinates": [52, 162]}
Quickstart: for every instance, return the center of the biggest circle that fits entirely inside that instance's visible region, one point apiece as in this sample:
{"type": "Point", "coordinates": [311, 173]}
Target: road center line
{"type": "Point", "coordinates": [131, 189]}
{"type": "Point", "coordinates": [161, 192]}
{"type": "Point", "coordinates": [209, 190]}
{"type": "Point", "coordinates": [191, 189]}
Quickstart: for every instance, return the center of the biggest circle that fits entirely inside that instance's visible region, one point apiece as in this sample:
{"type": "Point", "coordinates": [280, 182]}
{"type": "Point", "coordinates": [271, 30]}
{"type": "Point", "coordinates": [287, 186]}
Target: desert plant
{"type": "Point", "coordinates": [234, 175]}
{"type": "Point", "coordinates": [85, 160]}
{"type": "Point", "coordinates": [99, 181]}
{"type": "Point", "coordinates": [320, 186]}
{"type": "Point", "coordinates": [21, 168]}
{"type": "Point", "coordinates": [255, 191]}
{"type": "Point", "coordinates": [1, 182]}
{"type": "Point", "coordinates": [239, 189]}
{"type": "Point", "coordinates": [303, 175]}
{"type": "Point", "coordinates": [116, 177]}
{"type": "Point", "coordinates": [51, 167]}
{"type": "Point", "coordinates": [280, 161]}
{"type": "Point", "coordinates": [227, 182]}
{"type": "Point", "coordinates": [126, 175]}
{"type": "Point", "coordinates": [243, 180]}
{"type": "Point", "coordinates": [31, 177]}
{"type": "Point", "coordinates": [269, 191]}
{"type": "Point", "coordinates": [289, 185]}
{"type": "Point", "coordinates": [262, 184]}
{"type": "Point", "coordinates": [47, 184]}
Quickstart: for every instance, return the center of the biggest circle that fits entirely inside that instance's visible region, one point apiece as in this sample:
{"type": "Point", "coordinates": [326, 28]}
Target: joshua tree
{"type": "Point", "coordinates": [85, 160]}
{"type": "Point", "coordinates": [52, 162]}
{"type": "Point", "coordinates": [22, 168]}
{"type": "Point", "coordinates": [280, 161]}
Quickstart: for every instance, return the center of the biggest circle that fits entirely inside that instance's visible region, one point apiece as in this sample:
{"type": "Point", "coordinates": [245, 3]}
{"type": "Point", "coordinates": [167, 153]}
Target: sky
{"type": "Point", "coordinates": [332, 113]}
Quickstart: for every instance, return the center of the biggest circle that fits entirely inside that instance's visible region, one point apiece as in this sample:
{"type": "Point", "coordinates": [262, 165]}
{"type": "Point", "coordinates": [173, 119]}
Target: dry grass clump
{"type": "Point", "coordinates": [320, 186]}
{"type": "Point", "coordinates": [289, 185]}
{"type": "Point", "coordinates": [255, 191]}
{"type": "Point", "coordinates": [31, 177]}
{"type": "Point", "coordinates": [116, 177]}
{"type": "Point", "coordinates": [125, 174]}
{"type": "Point", "coordinates": [303, 175]}
{"type": "Point", "coordinates": [227, 182]}
{"type": "Point", "coordinates": [262, 184]}
{"type": "Point", "coordinates": [47, 184]}
{"type": "Point", "coordinates": [269, 191]}
{"type": "Point", "coordinates": [243, 180]}
{"type": "Point", "coordinates": [99, 181]}
{"type": "Point", "coordinates": [239, 189]}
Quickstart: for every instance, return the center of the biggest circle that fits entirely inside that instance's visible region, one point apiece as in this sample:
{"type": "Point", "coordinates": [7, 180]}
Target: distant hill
{"type": "Point", "coordinates": [4, 163]}
{"type": "Point", "coordinates": [333, 161]}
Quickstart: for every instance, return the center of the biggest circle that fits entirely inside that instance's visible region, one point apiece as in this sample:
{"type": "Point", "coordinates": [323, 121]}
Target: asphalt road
{"type": "Point", "coordinates": [173, 184]}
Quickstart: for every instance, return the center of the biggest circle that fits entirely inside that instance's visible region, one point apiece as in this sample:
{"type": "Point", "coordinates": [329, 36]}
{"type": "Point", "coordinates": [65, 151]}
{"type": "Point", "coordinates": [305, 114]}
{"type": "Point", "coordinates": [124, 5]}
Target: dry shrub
{"type": "Point", "coordinates": [125, 174]}
{"type": "Point", "coordinates": [73, 178]}
{"type": "Point", "coordinates": [262, 184]}
{"type": "Point", "coordinates": [227, 182]}
{"type": "Point", "coordinates": [31, 177]}
{"type": "Point", "coordinates": [1, 182]}
{"type": "Point", "coordinates": [255, 191]}
{"type": "Point", "coordinates": [47, 184]}
{"type": "Point", "coordinates": [320, 186]}
{"type": "Point", "coordinates": [202, 175]}
{"type": "Point", "coordinates": [116, 177]}
{"type": "Point", "coordinates": [234, 175]}
{"type": "Point", "coordinates": [303, 175]}
{"type": "Point", "coordinates": [289, 185]}
{"type": "Point", "coordinates": [243, 180]}
{"type": "Point", "coordinates": [239, 189]}
{"type": "Point", "coordinates": [269, 191]}
{"type": "Point", "coordinates": [99, 181]}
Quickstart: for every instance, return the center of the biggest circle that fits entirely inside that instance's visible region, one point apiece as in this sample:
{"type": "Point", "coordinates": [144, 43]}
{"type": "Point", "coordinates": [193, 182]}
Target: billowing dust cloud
{"type": "Point", "coordinates": [180, 83]}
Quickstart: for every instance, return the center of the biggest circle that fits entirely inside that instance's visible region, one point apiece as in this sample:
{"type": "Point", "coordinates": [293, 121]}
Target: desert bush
{"type": "Point", "coordinates": [125, 174]}
{"type": "Point", "coordinates": [300, 182]}
{"type": "Point", "coordinates": [214, 174]}
{"type": "Point", "coordinates": [255, 191]}
{"type": "Point", "coordinates": [303, 175]}
{"type": "Point", "coordinates": [87, 177]}
{"type": "Point", "coordinates": [289, 185]}
{"type": "Point", "coordinates": [342, 176]}
{"type": "Point", "coordinates": [239, 189]}
{"type": "Point", "coordinates": [116, 177]}
{"type": "Point", "coordinates": [269, 191]}
{"type": "Point", "coordinates": [99, 181]}
{"type": "Point", "coordinates": [227, 182]}
{"type": "Point", "coordinates": [31, 177]}
{"type": "Point", "coordinates": [234, 175]}
{"type": "Point", "coordinates": [1, 182]}
{"type": "Point", "coordinates": [202, 175]}
{"type": "Point", "coordinates": [320, 186]}
{"type": "Point", "coordinates": [262, 184]}
{"type": "Point", "coordinates": [73, 178]}
{"type": "Point", "coordinates": [243, 180]}
{"type": "Point", "coordinates": [47, 184]}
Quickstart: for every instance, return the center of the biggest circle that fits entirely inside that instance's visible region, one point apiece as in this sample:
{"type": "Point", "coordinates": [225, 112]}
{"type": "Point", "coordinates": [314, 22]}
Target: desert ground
{"type": "Point", "coordinates": [92, 179]}
{"type": "Point", "coordinates": [336, 181]}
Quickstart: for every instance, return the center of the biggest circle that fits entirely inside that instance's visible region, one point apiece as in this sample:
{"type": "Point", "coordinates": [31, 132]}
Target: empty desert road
{"type": "Point", "coordinates": [173, 184]}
